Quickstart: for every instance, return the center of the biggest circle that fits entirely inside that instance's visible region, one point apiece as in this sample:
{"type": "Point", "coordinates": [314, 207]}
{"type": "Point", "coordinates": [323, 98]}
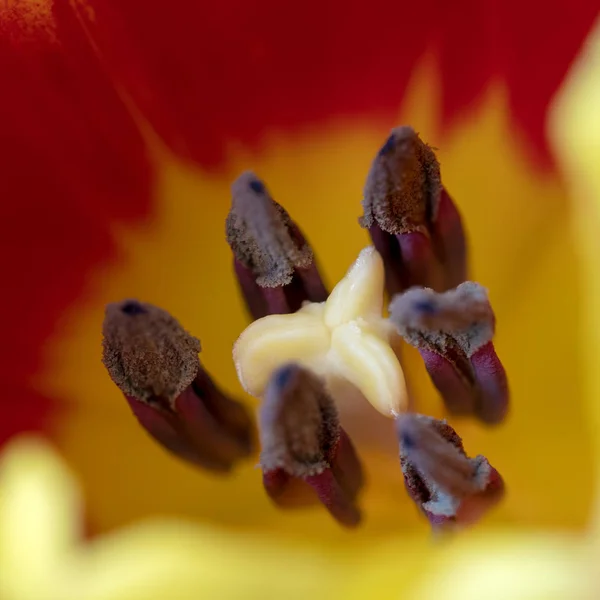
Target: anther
{"type": "Point", "coordinates": [453, 332]}
{"type": "Point", "coordinates": [273, 262]}
{"type": "Point", "coordinates": [451, 489]}
{"type": "Point", "coordinates": [302, 442]}
{"type": "Point", "coordinates": [155, 363]}
{"type": "Point", "coordinates": [412, 221]}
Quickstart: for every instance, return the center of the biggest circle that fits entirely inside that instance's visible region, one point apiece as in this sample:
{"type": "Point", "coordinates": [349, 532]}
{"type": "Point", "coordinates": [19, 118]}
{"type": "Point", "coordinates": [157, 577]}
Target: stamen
{"type": "Point", "coordinates": [146, 352]}
{"type": "Point", "coordinates": [453, 332]}
{"type": "Point", "coordinates": [302, 441]}
{"type": "Point", "coordinates": [154, 362]}
{"type": "Point", "coordinates": [412, 221]}
{"type": "Point", "coordinates": [403, 186]}
{"type": "Point", "coordinates": [273, 261]}
{"type": "Point", "coordinates": [449, 239]}
{"type": "Point", "coordinates": [449, 488]}
{"type": "Point", "coordinates": [465, 313]}
{"type": "Point", "coordinates": [298, 423]}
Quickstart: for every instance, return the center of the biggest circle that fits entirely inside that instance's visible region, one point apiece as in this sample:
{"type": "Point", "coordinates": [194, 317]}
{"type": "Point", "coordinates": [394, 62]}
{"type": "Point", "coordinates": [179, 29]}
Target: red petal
{"type": "Point", "coordinates": [205, 76]}
{"type": "Point", "coordinates": [72, 161]}
{"type": "Point", "coordinates": [22, 410]}
{"type": "Point", "coordinates": [529, 46]}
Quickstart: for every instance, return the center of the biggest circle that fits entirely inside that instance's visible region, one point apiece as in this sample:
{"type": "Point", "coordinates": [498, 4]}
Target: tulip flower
{"type": "Point", "coordinates": [125, 126]}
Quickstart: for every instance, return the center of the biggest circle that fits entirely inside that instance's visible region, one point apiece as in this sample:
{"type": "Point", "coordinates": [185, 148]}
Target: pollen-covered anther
{"type": "Point", "coordinates": [412, 220]}
{"type": "Point", "coordinates": [154, 362]}
{"type": "Point", "coordinates": [303, 447]}
{"type": "Point", "coordinates": [273, 262]}
{"type": "Point", "coordinates": [451, 489]}
{"type": "Point", "coordinates": [453, 332]}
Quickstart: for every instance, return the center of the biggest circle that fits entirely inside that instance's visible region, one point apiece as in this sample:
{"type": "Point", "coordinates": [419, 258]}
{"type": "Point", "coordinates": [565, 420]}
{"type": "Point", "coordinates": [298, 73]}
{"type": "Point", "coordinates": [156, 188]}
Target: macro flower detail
{"type": "Point", "coordinates": [316, 361]}
{"type": "Point", "coordinates": [412, 220]}
{"type": "Point", "coordinates": [45, 556]}
{"type": "Point", "coordinates": [302, 363]}
{"type": "Point", "coordinates": [344, 339]}
{"type": "Point", "coordinates": [273, 262]}
{"type": "Point", "coordinates": [453, 332]}
{"type": "Point", "coordinates": [303, 442]}
{"type": "Point", "coordinates": [449, 488]}
{"type": "Point", "coordinates": [154, 362]}
{"type": "Point", "coordinates": [127, 121]}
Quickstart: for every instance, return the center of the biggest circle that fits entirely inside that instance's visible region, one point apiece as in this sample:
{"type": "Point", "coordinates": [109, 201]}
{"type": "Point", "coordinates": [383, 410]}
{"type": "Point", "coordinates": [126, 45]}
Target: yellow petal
{"type": "Point", "coordinates": [359, 293]}
{"type": "Point", "coordinates": [275, 340]}
{"type": "Point", "coordinates": [169, 560]}
{"type": "Point", "coordinates": [574, 129]}
{"type": "Point", "coordinates": [519, 567]}
{"type": "Point", "coordinates": [39, 510]}
{"type": "Point", "coordinates": [369, 363]}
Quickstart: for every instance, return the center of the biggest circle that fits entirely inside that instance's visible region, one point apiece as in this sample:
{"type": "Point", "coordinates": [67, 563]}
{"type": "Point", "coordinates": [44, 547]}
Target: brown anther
{"type": "Point", "coordinates": [403, 187]}
{"type": "Point", "coordinates": [424, 317]}
{"type": "Point", "coordinates": [154, 362]}
{"type": "Point", "coordinates": [273, 262]}
{"type": "Point", "coordinates": [302, 442]}
{"type": "Point", "coordinates": [146, 351]}
{"type": "Point", "coordinates": [450, 488]}
{"type": "Point", "coordinates": [259, 231]}
{"type": "Point", "coordinates": [453, 332]}
{"type": "Point", "coordinates": [298, 423]}
{"type": "Point", "coordinates": [412, 221]}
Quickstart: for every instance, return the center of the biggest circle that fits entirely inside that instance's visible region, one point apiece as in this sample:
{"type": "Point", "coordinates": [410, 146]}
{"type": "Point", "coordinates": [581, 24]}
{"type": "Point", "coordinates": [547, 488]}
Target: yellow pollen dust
{"type": "Point", "coordinates": [344, 338]}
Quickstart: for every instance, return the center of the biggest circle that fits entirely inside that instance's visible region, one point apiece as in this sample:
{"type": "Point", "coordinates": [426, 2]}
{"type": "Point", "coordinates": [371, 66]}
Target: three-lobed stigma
{"type": "Point", "coordinates": [346, 337]}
